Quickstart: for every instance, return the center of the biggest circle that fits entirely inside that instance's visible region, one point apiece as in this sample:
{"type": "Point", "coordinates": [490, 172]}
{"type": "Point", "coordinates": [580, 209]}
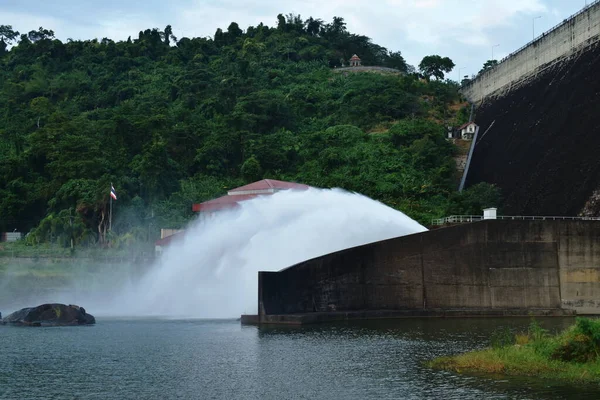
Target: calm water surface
{"type": "Point", "coordinates": [200, 359]}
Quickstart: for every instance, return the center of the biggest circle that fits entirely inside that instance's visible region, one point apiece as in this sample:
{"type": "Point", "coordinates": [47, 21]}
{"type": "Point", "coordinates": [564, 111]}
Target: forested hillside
{"type": "Point", "coordinates": [173, 121]}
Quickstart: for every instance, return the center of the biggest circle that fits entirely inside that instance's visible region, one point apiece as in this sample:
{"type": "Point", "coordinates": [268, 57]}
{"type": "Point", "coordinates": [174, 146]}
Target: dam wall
{"type": "Point", "coordinates": [573, 35]}
{"type": "Point", "coordinates": [485, 268]}
{"type": "Point", "coordinates": [541, 144]}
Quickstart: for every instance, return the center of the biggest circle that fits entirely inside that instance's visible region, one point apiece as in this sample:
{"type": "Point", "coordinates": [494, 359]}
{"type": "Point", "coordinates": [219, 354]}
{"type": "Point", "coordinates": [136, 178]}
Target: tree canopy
{"type": "Point", "coordinates": [171, 121]}
{"type": "Point", "coordinates": [489, 64]}
{"type": "Point", "coordinates": [435, 66]}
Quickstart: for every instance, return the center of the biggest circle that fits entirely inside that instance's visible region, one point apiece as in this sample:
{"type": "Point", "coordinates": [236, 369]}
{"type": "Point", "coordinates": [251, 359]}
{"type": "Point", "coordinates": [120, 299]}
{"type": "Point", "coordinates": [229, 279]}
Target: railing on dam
{"type": "Point", "coordinates": [463, 219]}
{"type": "Point", "coordinates": [548, 32]}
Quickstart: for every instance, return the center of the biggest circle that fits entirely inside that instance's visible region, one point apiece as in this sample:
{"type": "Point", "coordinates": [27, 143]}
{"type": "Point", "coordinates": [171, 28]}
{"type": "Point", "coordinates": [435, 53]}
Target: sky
{"type": "Point", "coordinates": [467, 31]}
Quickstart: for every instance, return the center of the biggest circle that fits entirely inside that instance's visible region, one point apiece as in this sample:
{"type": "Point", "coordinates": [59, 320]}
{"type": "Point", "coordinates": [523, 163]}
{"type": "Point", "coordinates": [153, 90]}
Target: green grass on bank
{"type": "Point", "coordinates": [573, 355]}
{"type": "Point", "coordinates": [47, 251]}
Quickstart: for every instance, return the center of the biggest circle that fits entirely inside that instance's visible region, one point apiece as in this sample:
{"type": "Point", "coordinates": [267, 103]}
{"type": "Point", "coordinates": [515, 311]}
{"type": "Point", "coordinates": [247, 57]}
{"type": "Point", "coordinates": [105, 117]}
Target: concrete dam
{"type": "Point", "coordinates": [486, 268]}
{"type": "Point", "coordinates": [539, 141]}
{"type": "Point", "coordinates": [538, 109]}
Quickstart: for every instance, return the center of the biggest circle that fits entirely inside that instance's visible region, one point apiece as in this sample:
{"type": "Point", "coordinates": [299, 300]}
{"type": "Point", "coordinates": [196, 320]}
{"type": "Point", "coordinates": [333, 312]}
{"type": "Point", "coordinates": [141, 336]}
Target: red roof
{"type": "Point", "coordinates": [269, 185]}
{"type": "Point", "coordinates": [355, 58]}
{"type": "Point", "coordinates": [465, 125]}
{"type": "Point", "coordinates": [222, 202]}
{"type": "Point", "coordinates": [246, 192]}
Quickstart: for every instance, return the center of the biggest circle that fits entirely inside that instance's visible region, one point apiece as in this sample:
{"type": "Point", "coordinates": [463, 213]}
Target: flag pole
{"type": "Point", "coordinates": [110, 213]}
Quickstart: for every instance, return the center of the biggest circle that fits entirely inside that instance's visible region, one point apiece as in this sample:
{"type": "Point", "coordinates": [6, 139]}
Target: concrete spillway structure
{"type": "Point", "coordinates": [487, 268]}
{"type": "Point", "coordinates": [538, 111]}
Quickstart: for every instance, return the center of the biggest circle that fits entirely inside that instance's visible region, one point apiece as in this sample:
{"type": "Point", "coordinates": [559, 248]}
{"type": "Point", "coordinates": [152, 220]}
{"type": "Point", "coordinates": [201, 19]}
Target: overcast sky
{"type": "Point", "coordinates": [464, 30]}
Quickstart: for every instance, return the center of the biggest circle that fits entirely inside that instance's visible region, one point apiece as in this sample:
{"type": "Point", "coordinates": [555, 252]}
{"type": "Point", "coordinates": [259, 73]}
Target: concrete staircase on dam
{"type": "Point", "coordinates": [538, 109]}
{"type": "Point", "coordinates": [485, 268]}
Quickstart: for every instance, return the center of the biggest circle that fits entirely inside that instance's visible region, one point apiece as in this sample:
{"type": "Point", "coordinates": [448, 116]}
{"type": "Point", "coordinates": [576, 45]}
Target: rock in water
{"type": "Point", "coordinates": [50, 315]}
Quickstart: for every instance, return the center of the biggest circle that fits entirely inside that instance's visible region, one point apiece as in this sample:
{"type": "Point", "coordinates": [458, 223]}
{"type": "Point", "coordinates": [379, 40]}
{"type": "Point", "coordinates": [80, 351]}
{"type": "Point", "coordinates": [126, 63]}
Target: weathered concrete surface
{"type": "Point", "coordinates": [572, 36]}
{"type": "Point", "coordinates": [579, 260]}
{"type": "Point", "coordinates": [542, 150]}
{"type": "Point", "coordinates": [485, 268]}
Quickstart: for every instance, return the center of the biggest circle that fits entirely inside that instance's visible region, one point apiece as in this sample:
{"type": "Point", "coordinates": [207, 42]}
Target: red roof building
{"type": "Point", "coordinates": [265, 187]}
{"type": "Point", "coordinates": [247, 192]}
{"type": "Point", "coordinates": [355, 61]}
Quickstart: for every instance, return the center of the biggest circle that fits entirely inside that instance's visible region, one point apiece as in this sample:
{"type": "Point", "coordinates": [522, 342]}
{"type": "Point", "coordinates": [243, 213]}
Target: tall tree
{"type": "Point", "coordinates": [7, 35]}
{"type": "Point", "coordinates": [40, 34]}
{"type": "Point", "coordinates": [435, 66]}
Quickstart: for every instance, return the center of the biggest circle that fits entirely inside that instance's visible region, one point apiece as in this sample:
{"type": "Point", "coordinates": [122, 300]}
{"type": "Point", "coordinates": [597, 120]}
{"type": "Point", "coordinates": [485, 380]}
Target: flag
{"type": "Point", "coordinates": [113, 194]}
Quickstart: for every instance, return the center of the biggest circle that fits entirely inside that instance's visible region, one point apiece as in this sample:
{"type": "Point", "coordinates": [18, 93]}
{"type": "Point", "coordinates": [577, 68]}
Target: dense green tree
{"type": "Point", "coordinates": [474, 199]}
{"type": "Point", "coordinates": [251, 169]}
{"type": "Point", "coordinates": [40, 34]}
{"type": "Point", "coordinates": [435, 66]}
{"type": "Point", "coordinates": [175, 121]}
{"type": "Point", "coordinates": [7, 36]}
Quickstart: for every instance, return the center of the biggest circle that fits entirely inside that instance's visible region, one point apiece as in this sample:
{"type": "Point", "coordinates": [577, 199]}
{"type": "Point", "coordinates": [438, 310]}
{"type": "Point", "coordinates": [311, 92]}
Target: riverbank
{"type": "Point", "coordinates": [571, 356]}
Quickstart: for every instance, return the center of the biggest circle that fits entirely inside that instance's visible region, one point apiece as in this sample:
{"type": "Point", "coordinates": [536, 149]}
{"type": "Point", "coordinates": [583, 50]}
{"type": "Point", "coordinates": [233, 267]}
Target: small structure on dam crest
{"type": "Point", "coordinates": [493, 267]}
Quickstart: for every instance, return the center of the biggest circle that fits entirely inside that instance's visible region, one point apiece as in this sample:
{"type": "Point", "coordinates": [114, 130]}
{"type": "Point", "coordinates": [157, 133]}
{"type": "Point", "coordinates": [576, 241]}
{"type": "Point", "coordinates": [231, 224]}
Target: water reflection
{"type": "Point", "coordinates": [164, 359]}
{"type": "Point", "coordinates": [390, 354]}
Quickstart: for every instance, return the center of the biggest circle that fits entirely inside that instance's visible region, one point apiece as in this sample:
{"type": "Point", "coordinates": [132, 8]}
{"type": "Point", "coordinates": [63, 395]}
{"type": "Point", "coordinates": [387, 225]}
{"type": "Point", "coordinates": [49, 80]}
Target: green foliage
{"type": "Point", "coordinates": [502, 338]}
{"type": "Point", "coordinates": [572, 355]}
{"type": "Point", "coordinates": [251, 169]}
{"type": "Point", "coordinates": [489, 64]}
{"type": "Point", "coordinates": [581, 344]}
{"type": "Point", "coordinates": [175, 121]}
{"type": "Point", "coordinates": [474, 199]}
{"type": "Point", "coordinates": [7, 34]}
{"type": "Point", "coordinates": [405, 132]}
{"type": "Point", "coordinates": [435, 66]}
{"type": "Point", "coordinates": [536, 332]}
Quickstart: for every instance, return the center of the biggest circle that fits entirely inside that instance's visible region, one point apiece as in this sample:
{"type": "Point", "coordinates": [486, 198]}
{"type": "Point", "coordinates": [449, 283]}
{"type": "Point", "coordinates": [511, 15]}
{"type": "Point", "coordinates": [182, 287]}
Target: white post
{"type": "Point", "coordinates": [110, 211]}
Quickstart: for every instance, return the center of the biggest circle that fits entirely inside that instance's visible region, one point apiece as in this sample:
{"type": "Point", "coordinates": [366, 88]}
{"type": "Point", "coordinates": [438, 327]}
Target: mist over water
{"type": "Point", "coordinates": [212, 271]}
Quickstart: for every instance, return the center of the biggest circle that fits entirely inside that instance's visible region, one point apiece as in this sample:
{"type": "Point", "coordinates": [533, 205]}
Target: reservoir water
{"type": "Point", "coordinates": [220, 359]}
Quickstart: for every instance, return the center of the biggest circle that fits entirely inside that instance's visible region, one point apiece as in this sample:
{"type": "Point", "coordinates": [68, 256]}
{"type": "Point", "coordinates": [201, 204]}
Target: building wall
{"type": "Point", "coordinates": [574, 34]}
{"type": "Point", "coordinates": [485, 265]}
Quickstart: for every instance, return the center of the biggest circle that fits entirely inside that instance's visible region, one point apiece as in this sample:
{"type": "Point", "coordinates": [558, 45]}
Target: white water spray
{"type": "Point", "coordinates": [213, 271]}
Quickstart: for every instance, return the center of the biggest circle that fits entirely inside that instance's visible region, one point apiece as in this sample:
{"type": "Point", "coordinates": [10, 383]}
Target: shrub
{"type": "Point", "coordinates": [522, 339]}
{"type": "Point", "coordinates": [501, 338]}
{"type": "Point", "coordinates": [580, 344]}
{"type": "Point", "coordinates": [536, 332]}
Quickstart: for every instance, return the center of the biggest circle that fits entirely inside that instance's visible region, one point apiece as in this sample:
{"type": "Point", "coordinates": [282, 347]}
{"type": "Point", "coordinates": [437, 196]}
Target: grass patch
{"type": "Point", "coordinates": [573, 355]}
{"type": "Point", "coordinates": [21, 249]}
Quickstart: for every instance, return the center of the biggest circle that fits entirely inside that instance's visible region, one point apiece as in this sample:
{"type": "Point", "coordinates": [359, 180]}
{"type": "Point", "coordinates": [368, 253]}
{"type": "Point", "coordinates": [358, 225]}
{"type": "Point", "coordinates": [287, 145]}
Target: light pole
{"type": "Point", "coordinates": [461, 68]}
{"type": "Point", "coordinates": [533, 26]}
{"type": "Point", "coordinates": [496, 45]}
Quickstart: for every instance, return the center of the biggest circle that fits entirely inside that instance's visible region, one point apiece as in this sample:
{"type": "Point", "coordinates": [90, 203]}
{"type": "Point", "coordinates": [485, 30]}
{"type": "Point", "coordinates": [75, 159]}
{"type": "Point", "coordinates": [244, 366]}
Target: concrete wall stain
{"type": "Point", "coordinates": [482, 267]}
